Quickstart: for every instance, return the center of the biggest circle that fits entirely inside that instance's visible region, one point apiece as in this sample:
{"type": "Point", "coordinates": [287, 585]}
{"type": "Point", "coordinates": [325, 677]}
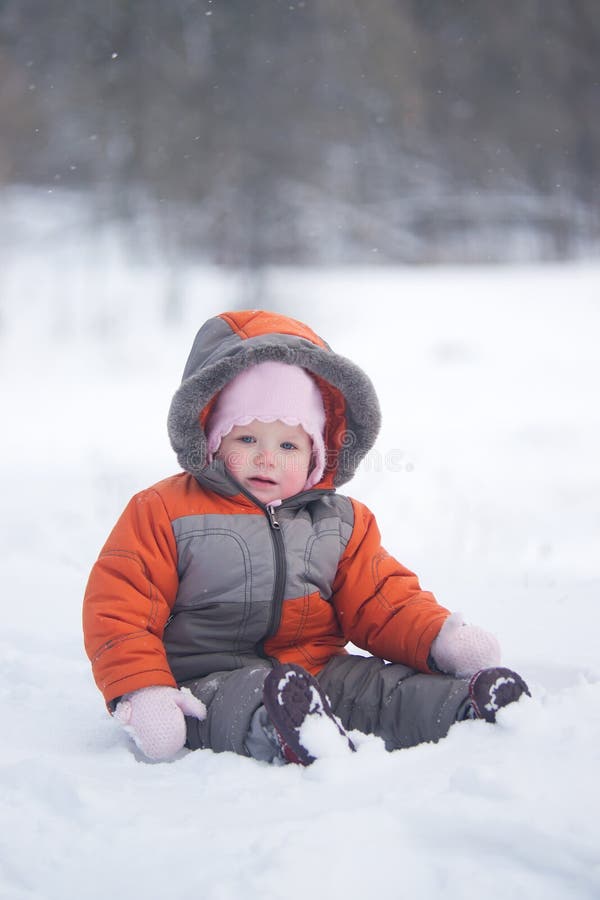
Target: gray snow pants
{"type": "Point", "coordinates": [389, 700]}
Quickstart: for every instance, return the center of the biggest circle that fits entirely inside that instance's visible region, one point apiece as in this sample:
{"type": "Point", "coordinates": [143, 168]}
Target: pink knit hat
{"type": "Point", "coordinates": [268, 392]}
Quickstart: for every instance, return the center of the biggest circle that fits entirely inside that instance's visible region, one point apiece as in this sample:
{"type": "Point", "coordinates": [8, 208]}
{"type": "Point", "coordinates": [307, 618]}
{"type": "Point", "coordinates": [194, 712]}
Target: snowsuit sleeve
{"type": "Point", "coordinates": [380, 605]}
{"type": "Point", "coordinates": [129, 596]}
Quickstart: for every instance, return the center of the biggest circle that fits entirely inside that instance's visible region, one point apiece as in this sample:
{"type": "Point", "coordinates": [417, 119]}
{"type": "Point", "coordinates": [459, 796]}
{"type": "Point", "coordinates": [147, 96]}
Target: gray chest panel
{"type": "Point", "coordinates": [224, 559]}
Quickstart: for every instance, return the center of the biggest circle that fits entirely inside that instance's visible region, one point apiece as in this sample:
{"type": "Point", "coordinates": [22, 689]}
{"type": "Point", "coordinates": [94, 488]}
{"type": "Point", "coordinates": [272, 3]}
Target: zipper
{"type": "Point", "coordinates": [280, 572]}
{"type": "Point", "coordinates": [280, 568]}
{"type": "Point", "coordinates": [272, 517]}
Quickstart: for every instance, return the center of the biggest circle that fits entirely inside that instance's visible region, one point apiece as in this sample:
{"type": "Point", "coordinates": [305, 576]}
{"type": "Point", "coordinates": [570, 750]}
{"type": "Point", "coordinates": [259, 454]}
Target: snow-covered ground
{"type": "Point", "coordinates": [485, 480]}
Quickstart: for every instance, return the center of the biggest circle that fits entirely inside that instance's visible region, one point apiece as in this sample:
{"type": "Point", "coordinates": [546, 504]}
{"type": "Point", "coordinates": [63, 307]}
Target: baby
{"type": "Point", "coordinates": [218, 613]}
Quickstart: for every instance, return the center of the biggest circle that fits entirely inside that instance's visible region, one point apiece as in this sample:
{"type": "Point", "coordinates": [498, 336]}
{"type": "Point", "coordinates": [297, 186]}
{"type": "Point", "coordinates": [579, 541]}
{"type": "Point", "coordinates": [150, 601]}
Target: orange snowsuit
{"type": "Point", "coordinates": [198, 577]}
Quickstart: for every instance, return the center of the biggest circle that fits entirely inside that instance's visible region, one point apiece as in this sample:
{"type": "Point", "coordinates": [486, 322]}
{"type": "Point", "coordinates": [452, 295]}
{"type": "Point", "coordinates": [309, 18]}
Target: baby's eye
{"type": "Point", "coordinates": [288, 445]}
{"type": "Point", "coordinates": [246, 439]}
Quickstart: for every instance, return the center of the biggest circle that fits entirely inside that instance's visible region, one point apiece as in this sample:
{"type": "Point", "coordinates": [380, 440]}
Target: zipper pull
{"type": "Point", "coordinates": [272, 517]}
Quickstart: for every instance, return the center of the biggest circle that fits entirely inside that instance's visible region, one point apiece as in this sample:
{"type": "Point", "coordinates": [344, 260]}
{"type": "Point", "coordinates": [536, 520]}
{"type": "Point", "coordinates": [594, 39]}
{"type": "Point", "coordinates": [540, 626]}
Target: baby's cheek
{"type": "Point", "coordinates": [235, 461]}
{"type": "Point", "coordinates": [294, 481]}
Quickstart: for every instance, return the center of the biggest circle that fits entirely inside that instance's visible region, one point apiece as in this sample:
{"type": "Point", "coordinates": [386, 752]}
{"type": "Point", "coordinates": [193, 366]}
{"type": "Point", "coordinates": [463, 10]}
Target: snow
{"type": "Point", "coordinates": [485, 480]}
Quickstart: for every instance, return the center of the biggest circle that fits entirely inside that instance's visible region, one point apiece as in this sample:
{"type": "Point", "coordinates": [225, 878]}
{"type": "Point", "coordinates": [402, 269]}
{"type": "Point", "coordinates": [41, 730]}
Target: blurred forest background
{"type": "Point", "coordinates": [249, 133]}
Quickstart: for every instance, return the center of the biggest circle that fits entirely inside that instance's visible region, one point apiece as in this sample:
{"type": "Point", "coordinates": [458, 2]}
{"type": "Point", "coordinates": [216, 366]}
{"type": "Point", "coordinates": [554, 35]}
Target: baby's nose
{"type": "Point", "coordinates": [265, 457]}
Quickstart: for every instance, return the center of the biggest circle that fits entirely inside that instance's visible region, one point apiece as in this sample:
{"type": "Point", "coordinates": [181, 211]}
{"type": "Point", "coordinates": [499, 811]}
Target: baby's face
{"type": "Point", "coordinates": [271, 460]}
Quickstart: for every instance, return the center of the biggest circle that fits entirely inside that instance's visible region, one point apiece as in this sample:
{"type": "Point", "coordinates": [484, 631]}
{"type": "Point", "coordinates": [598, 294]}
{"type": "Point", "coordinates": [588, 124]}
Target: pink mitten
{"type": "Point", "coordinates": [154, 717]}
{"type": "Point", "coordinates": [462, 650]}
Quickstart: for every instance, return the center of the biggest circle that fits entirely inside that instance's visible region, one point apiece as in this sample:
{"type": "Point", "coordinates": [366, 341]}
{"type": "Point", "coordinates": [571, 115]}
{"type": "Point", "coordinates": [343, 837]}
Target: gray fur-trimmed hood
{"type": "Point", "coordinates": [231, 342]}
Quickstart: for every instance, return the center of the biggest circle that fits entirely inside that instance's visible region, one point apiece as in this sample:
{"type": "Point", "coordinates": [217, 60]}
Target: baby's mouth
{"type": "Point", "coordinates": [262, 479]}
